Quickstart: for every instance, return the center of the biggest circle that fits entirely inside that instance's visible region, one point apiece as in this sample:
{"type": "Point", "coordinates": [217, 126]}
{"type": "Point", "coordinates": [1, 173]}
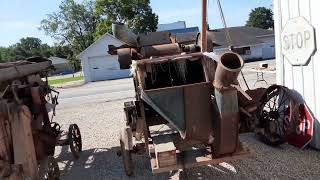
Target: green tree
{"type": "Point", "coordinates": [74, 24]}
{"type": "Point", "coordinates": [6, 54]}
{"type": "Point", "coordinates": [137, 14]}
{"type": "Point", "coordinates": [62, 51]}
{"type": "Point", "coordinates": [261, 17]}
{"type": "Point", "coordinates": [25, 48]}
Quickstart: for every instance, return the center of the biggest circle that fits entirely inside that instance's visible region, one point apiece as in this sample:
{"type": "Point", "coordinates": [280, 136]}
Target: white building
{"type": "Point", "coordinates": [297, 33]}
{"type": "Point", "coordinates": [61, 65]}
{"type": "Point", "coordinates": [98, 64]}
{"type": "Point", "coordinates": [171, 26]}
{"type": "Point", "coordinates": [249, 42]}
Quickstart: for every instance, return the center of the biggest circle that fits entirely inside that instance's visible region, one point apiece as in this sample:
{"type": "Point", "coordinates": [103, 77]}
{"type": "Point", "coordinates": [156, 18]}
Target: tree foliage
{"type": "Point", "coordinates": [77, 25]}
{"type": "Point", "coordinates": [74, 24]}
{"type": "Point", "coordinates": [25, 48]}
{"type": "Point", "coordinates": [261, 17]}
{"type": "Point", "coordinates": [137, 14]}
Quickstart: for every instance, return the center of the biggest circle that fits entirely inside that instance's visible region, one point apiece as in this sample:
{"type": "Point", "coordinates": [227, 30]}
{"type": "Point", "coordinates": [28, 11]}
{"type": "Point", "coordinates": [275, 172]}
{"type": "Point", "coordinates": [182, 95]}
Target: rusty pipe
{"type": "Point", "coordinates": [160, 50]}
{"type": "Point", "coordinates": [228, 69]}
{"type": "Point", "coordinates": [120, 31]}
{"type": "Point", "coordinates": [226, 127]}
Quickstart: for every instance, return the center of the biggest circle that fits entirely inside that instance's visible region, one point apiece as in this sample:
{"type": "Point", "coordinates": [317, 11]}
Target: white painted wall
{"type": "Point", "coordinates": [304, 79]}
{"type": "Point", "coordinates": [99, 49]}
{"type": "Point", "coordinates": [171, 26]}
{"type": "Point", "coordinates": [268, 49]}
{"type": "Point", "coordinates": [256, 51]}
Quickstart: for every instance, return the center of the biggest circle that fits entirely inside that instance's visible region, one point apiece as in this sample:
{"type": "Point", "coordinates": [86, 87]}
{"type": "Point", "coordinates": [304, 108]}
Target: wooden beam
{"type": "Point", "coordinates": [204, 27]}
{"type": "Point", "coordinates": [201, 157]}
{"type": "Point", "coordinates": [23, 145]}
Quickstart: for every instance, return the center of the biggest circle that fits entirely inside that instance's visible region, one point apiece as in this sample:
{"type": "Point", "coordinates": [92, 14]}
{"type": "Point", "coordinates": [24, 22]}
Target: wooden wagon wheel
{"type": "Point", "coordinates": [75, 141]}
{"type": "Point", "coordinates": [274, 116]}
{"type": "Point", "coordinates": [53, 172]}
{"type": "Point", "coordinates": [125, 141]}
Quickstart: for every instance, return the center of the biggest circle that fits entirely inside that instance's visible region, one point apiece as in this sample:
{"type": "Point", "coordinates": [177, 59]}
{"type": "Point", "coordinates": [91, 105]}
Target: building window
{"type": "Point", "coordinates": [243, 50]}
{"type": "Point", "coordinates": [247, 51]}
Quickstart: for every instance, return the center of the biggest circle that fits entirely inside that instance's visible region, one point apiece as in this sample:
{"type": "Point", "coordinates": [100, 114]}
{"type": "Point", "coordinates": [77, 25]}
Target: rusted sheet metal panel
{"type": "Point", "coordinates": [199, 113]}
{"type": "Point", "coordinates": [227, 125]}
{"type": "Point", "coordinates": [169, 103]}
{"type": "Point", "coordinates": [177, 106]}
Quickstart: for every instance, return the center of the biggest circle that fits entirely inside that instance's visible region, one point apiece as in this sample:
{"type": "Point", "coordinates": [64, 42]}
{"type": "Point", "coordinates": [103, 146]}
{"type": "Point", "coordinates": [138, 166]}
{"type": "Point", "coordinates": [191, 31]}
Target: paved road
{"type": "Point", "coordinates": [96, 92]}
{"type": "Point", "coordinates": [251, 77]}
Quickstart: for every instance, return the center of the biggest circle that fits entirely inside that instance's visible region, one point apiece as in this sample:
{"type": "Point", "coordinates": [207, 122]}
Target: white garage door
{"type": "Point", "coordinates": [106, 68]}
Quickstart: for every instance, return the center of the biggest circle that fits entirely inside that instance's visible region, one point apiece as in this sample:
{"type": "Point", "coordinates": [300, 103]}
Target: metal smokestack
{"type": "Point", "coordinates": [120, 31]}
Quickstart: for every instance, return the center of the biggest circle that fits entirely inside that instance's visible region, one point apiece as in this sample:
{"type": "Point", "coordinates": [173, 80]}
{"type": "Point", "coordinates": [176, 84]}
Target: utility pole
{"type": "Point", "coordinates": [204, 27]}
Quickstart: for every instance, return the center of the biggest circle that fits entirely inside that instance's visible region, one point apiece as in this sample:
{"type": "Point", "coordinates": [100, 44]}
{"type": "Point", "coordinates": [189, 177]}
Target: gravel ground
{"type": "Point", "coordinates": [100, 121]}
{"type": "Point", "coordinates": [99, 124]}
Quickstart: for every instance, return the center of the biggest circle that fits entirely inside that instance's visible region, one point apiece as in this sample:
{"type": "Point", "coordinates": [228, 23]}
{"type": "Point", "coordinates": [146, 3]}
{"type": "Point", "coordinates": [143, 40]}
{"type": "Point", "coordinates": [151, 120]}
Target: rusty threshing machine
{"type": "Point", "coordinates": [186, 111]}
{"type": "Point", "coordinates": [189, 107]}
{"type": "Point", "coordinates": [28, 135]}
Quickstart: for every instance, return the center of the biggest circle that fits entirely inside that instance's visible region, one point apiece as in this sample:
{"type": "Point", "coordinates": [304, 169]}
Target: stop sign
{"type": "Point", "coordinates": [304, 131]}
{"type": "Point", "coordinates": [298, 41]}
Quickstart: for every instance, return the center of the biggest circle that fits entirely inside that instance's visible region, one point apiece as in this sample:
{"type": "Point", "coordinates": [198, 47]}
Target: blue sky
{"type": "Point", "coordinates": [21, 18]}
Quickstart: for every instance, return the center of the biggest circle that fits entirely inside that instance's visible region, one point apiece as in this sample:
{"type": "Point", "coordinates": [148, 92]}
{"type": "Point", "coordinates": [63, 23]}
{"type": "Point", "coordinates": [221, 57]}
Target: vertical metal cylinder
{"type": "Point", "coordinates": [226, 127]}
{"type": "Point", "coordinates": [204, 27]}
{"type": "Point", "coordinates": [121, 32]}
{"type": "Point", "coordinates": [228, 69]}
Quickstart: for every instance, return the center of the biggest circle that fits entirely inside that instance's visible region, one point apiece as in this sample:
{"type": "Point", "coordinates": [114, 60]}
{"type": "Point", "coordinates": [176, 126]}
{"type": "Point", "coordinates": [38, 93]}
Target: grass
{"type": "Point", "coordinates": [65, 80]}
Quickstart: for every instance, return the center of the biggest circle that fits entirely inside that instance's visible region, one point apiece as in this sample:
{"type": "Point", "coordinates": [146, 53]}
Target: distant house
{"type": "Point", "coordinates": [184, 35]}
{"type": "Point", "coordinates": [179, 32]}
{"type": "Point", "coordinates": [98, 64]}
{"type": "Point", "coordinates": [170, 26]}
{"type": "Point", "coordinates": [249, 42]}
{"type": "Point", "coordinates": [61, 65]}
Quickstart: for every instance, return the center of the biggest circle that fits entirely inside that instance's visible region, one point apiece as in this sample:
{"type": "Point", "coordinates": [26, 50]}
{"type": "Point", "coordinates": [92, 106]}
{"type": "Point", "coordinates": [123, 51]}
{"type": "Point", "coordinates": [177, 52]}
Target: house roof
{"type": "Point", "coordinates": [184, 34]}
{"type": "Point", "coordinates": [240, 36]}
{"type": "Point", "coordinates": [174, 25]}
{"type": "Point", "coordinates": [58, 60]}
{"type": "Point", "coordinates": [98, 40]}
{"type": "Point", "coordinates": [186, 37]}
{"type": "Point", "coordinates": [183, 30]}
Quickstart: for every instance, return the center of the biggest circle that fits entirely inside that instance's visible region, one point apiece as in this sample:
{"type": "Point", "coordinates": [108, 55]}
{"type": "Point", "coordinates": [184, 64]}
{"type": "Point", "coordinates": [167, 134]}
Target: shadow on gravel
{"type": "Point", "coordinates": [103, 163]}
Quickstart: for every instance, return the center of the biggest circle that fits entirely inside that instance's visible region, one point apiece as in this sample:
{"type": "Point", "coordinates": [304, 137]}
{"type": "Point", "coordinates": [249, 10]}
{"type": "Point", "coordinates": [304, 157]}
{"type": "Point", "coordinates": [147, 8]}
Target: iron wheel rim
{"type": "Point", "coordinates": [75, 140]}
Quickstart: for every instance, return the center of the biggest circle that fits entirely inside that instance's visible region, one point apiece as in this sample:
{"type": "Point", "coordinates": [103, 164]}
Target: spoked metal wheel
{"type": "Point", "coordinates": [274, 115]}
{"type": "Point", "coordinates": [75, 140]}
{"type": "Point", "coordinates": [125, 141]}
{"type": "Point", "coordinates": [53, 172]}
